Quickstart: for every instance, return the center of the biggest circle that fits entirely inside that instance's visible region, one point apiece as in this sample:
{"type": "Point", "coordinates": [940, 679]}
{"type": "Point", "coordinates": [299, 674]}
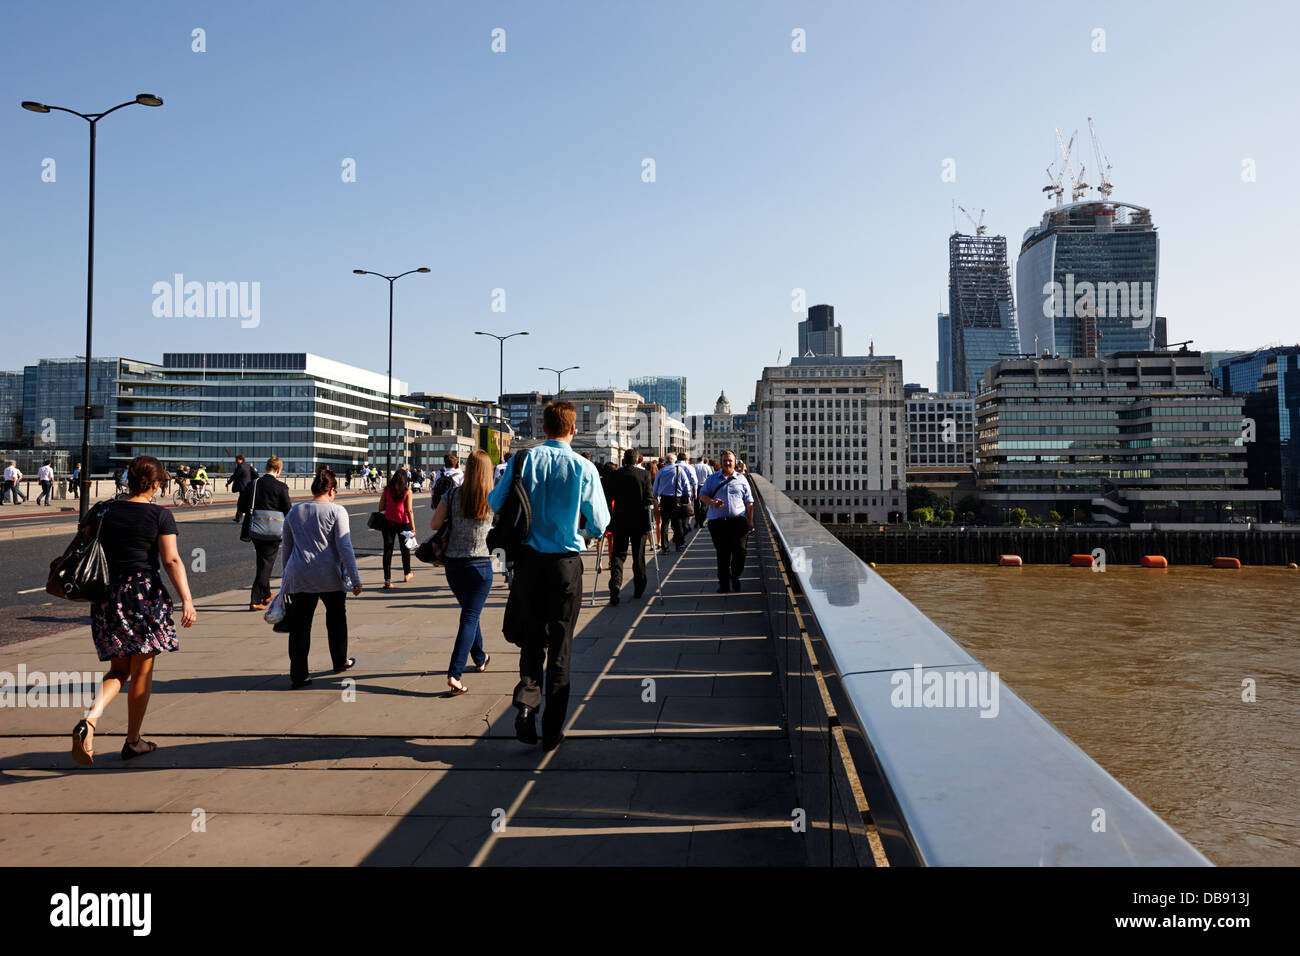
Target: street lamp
{"type": "Point", "coordinates": [143, 99]}
{"type": "Point", "coordinates": [558, 372]}
{"type": "Point", "coordinates": [501, 373]}
{"type": "Point", "coordinates": [388, 445]}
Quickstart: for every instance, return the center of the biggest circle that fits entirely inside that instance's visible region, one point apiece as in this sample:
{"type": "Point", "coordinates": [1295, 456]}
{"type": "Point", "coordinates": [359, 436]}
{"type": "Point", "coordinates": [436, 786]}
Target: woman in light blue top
{"type": "Point", "coordinates": [318, 565]}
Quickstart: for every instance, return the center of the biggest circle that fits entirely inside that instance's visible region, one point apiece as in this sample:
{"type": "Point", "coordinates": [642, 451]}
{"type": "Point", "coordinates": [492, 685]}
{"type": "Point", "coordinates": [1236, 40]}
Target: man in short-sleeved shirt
{"type": "Point", "coordinates": [731, 519]}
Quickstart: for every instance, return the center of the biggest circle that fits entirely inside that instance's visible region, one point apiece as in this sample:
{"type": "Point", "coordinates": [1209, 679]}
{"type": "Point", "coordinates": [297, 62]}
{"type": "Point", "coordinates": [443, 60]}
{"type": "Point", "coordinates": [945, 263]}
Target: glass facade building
{"type": "Point", "coordinates": [943, 368]}
{"type": "Point", "coordinates": [53, 390]}
{"type": "Point", "coordinates": [11, 409]}
{"type": "Point", "coordinates": [1268, 381]}
{"type": "Point", "coordinates": [1087, 281]}
{"type": "Point", "coordinates": [204, 408]}
{"type": "Point", "coordinates": [818, 334]}
{"type": "Point", "coordinates": [666, 390]}
{"type": "Point", "coordinates": [1136, 437]}
{"type": "Point", "coordinates": [981, 311]}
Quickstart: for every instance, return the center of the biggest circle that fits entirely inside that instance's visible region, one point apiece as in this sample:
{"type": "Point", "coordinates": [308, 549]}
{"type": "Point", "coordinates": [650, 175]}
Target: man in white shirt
{"type": "Point", "coordinates": [11, 478]}
{"type": "Point", "coordinates": [702, 470]}
{"type": "Point", "coordinates": [500, 469]}
{"type": "Point", "coordinates": [45, 475]}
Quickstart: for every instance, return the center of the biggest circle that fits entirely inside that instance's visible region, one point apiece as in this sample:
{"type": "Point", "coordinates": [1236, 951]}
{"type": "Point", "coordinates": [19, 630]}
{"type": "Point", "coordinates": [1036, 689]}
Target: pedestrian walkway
{"type": "Point", "coordinates": [676, 750]}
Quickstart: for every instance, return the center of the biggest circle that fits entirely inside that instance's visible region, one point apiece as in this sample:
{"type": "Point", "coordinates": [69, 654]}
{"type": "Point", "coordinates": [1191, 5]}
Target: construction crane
{"type": "Point", "coordinates": [1077, 185]}
{"type": "Point", "coordinates": [1169, 347]}
{"type": "Point", "coordinates": [1103, 164]}
{"type": "Point", "coordinates": [980, 228]}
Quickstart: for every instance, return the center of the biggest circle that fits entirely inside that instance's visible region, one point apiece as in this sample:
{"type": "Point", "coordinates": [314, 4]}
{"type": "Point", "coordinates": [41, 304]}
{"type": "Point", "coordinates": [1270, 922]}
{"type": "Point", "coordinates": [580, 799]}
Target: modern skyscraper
{"type": "Point", "coordinates": [666, 390]}
{"type": "Point", "coordinates": [980, 307]}
{"type": "Point", "coordinates": [53, 391]}
{"type": "Point", "coordinates": [1268, 382]}
{"type": "Point", "coordinates": [819, 334]}
{"type": "Point", "coordinates": [1086, 280]}
{"type": "Point", "coordinates": [943, 368]}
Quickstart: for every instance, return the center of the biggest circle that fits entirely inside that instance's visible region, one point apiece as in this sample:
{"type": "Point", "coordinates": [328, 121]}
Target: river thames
{"type": "Point", "coordinates": [1146, 670]}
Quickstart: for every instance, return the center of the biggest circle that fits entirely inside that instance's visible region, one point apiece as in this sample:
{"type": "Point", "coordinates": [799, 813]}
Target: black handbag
{"type": "Point", "coordinates": [376, 521]}
{"type": "Point", "coordinates": [514, 522]}
{"type": "Point", "coordinates": [81, 572]}
{"type": "Point", "coordinates": [432, 548]}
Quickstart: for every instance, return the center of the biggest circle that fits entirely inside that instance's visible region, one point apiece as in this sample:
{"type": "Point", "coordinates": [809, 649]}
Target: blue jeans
{"type": "Point", "coordinates": [470, 579]}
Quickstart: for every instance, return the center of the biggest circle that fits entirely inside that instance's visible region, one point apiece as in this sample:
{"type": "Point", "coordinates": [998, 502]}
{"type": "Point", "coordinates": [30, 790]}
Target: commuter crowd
{"type": "Point", "coordinates": [536, 512]}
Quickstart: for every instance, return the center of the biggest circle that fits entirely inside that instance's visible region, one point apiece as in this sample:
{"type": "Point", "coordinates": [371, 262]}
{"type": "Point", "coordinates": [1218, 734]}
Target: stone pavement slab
{"type": "Point", "coordinates": [676, 751]}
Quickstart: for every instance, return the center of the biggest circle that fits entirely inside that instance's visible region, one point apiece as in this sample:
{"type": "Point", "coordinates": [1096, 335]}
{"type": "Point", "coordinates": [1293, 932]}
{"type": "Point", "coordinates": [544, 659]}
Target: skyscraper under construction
{"type": "Point", "coordinates": [981, 310]}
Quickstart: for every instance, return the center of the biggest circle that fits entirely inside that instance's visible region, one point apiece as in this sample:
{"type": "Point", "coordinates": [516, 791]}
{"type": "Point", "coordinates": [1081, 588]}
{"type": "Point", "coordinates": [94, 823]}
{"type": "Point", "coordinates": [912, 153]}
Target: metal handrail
{"type": "Point", "coordinates": [957, 788]}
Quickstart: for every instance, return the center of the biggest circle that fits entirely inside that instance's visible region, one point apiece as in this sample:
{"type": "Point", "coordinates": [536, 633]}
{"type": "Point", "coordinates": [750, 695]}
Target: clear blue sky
{"type": "Point", "coordinates": [522, 170]}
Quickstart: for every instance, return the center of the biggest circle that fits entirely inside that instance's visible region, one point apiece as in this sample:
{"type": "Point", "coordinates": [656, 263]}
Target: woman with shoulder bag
{"type": "Point", "coordinates": [399, 515]}
{"type": "Point", "coordinates": [261, 502]}
{"type": "Point", "coordinates": [468, 562]}
{"type": "Point", "coordinates": [133, 623]}
{"type": "Point", "coordinates": [318, 564]}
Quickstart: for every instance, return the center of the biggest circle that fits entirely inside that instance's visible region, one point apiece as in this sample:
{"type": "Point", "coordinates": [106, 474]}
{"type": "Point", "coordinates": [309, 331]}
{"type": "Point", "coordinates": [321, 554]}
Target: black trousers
{"type": "Point", "coordinates": [266, 552]}
{"type": "Point", "coordinates": [618, 553]}
{"type": "Point", "coordinates": [302, 608]}
{"type": "Point", "coordinates": [701, 513]}
{"type": "Point", "coordinates": [730, 540]}
{"type": "Point", "coordinates": [541, 613]}
{"type": "Point", "coordinates": [674, 519]}
{"type": "Point", "coordinates": [392, 532]}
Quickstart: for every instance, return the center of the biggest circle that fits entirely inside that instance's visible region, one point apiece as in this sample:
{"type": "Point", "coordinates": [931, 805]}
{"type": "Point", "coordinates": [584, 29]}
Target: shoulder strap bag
{"type": "Point", "coordinates": [81, 572]}
{"type": "Point", "coordinates": [267, 524]}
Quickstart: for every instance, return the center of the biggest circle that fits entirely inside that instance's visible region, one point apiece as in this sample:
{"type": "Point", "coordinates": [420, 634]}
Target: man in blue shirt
{"type": "Point", "coordinates": [702, 471]}
{"type": "Point", "coordinates": [731, 519]}
{"type": "Point", "coordinates": [542, 610]}
{"type": "Point", "coordinates": [671, 485]}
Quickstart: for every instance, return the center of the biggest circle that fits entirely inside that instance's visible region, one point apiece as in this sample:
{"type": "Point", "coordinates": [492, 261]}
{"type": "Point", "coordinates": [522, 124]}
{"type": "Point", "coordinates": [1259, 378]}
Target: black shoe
{"type": "Point", "coordinates": [724, 590]}
{"type": "Point", "coordinates": [236, 519]}
{"type": "Point", "coordinates": [300, 683]}
{"type": "Point", "coordinates": [613, 598]}
{"type": "Point", "coordinates": [735, 584]}
{"type": "Point", "coordinates": [550, 743]}
{"type": "Point", "coordinates": [526, 726]}
{"type": "Point", "coordinates": [637, 593]}
{"type": "Point", "coordinates": [352, 662]}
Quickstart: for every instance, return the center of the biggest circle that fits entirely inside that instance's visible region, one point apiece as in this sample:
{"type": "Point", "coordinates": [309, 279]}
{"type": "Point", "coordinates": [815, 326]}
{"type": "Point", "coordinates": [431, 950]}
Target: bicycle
{"type": "Point", "coordinates": [201, 496]}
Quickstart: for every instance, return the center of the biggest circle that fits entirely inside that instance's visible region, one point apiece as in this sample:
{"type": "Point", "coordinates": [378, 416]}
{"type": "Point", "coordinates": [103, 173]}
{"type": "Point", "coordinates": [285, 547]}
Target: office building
{"type": "Point", "coordinates": [1126, 439]}
{"type": "Point", "coordinates": [981, 311]}
{"type": "Point", "coordinates": [819, 335]}
{"type": "Point", "coordinates": [53, 393]}
{"type": "Point", "coordinates": [1086, 280]}
{"type": "Point", "coordinates": [940, 431]}
{"type": "Point", "coordinates": [1268, 382]}
{"type": "Point", "coordinates": [519, 409]}
{"type": "Point", "coordinates": [832, 434]}
{"type": "Point", "coordinates": [943, 368]}
{"type": "Point", "coordinates": [406, 448]}
{"type": "Point", "coordinates": [666, 390]}
{"type": "Point", "coordinates": [204, 408]}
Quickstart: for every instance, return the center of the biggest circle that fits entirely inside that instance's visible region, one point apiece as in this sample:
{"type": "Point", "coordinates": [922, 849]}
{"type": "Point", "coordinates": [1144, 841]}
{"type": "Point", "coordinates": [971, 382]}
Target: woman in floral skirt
{"type": "Point", "coordinates": [134, 623]}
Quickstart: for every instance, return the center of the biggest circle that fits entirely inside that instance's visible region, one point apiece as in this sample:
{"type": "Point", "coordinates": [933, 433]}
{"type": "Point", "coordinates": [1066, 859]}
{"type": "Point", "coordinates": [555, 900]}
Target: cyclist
{"type": "Point", "coordinates": [199, 481]}
{"type": "Point", "coordinates": [183, 479]}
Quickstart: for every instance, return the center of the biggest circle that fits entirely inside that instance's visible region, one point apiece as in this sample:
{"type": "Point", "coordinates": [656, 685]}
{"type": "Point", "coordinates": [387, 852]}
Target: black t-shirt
{"type": "Point", "coordinates": [130, 536]}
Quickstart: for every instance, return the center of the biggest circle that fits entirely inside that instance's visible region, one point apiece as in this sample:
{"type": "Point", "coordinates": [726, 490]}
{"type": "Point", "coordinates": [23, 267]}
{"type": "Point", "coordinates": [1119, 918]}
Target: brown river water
{"type": "Point", "coordinates": [1144, 670]}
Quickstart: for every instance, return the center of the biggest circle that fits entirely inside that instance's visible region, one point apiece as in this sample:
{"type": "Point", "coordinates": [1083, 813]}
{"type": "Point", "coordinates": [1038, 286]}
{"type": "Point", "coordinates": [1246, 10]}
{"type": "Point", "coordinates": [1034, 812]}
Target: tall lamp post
{"type": "Point", "coordinates": [143, 99]}
{"type": "Point", "coordinates": [558, 372]}
{"type": "Point", "coordinates": [501, 365]}
{"type": "Point", "coordinates": [388, 445]}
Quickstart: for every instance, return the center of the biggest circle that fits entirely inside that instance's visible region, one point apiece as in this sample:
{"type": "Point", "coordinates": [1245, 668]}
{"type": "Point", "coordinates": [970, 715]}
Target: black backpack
{"type": "Point", "coordinates": [440, 488]}
{"type": "Point", "coordinates": [514, 521]}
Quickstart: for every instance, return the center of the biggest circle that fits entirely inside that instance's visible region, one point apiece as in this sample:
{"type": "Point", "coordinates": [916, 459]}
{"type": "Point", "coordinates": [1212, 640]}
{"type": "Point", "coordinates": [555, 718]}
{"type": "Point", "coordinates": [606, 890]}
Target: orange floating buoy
{"type": "Point", "coordinates": [1154, 561]}
{"type": "Point", "coordinates": [1080, 560]}
{"type": "Point", "coordinates": [1011, 560]}
{"type": "Point", "coordinates": [1226, 563]}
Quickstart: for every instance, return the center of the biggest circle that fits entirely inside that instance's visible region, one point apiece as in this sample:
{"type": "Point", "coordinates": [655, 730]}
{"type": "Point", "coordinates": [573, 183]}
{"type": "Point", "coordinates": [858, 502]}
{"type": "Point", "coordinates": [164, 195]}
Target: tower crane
{"type": "Point", "coordinates": [1103, 164]}
{"type": "Point", "coordinates": [980, 228]}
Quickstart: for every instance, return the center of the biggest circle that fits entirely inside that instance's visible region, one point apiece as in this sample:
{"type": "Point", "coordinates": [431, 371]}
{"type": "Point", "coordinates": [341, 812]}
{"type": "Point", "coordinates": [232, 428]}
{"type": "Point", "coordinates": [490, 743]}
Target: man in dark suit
{"type": "Point", "coordinates": [239, 479]}
{"type": "Point", "coordinates": [629, 488]}
{"type": "Point", "coordinates": [268, 493]}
